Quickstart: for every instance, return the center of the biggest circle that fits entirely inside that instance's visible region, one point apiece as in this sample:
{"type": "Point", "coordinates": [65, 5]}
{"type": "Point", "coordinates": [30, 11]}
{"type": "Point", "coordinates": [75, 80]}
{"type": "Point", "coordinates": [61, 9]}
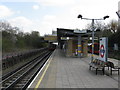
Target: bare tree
{"type": "Point", "coordinates": [113, 26]}
{"type": "Point", "coordinates": [4, 25]}
{"type": "Point", "coordinates": [98, 25]}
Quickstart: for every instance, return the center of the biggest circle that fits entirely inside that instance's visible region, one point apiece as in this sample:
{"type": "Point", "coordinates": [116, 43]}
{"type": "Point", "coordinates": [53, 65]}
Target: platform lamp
{"type": "Point", "coordinates": [80, 16]}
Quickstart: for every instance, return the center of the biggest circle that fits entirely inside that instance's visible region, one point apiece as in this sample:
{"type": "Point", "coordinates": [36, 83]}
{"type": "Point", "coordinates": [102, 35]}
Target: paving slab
{"type": "Point", "coordinates": [68, 72]}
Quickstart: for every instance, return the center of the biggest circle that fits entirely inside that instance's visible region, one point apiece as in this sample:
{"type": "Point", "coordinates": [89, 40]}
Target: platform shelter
{"type": "Point", "coordinates": [73, 42]}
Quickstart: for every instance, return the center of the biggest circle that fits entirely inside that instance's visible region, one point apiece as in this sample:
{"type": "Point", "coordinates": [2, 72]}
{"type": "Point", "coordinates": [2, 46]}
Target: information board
{"type": "Point", "coordinates": [103, 49]}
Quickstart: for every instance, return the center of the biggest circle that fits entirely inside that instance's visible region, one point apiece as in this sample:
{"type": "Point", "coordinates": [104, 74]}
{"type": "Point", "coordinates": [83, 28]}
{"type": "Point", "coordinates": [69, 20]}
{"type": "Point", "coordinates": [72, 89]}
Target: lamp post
{"type": "Point", "coordinates": [80, 16]}
{"type": "Point", "coordinates": [118, 14]}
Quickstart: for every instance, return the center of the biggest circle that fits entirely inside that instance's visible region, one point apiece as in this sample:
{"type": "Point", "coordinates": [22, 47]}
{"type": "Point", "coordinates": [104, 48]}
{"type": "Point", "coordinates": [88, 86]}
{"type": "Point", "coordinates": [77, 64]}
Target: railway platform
{"type": "Point", "coordinates": [68, 72]}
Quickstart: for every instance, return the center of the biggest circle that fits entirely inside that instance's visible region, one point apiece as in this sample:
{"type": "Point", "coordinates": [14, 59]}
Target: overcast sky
{"type": "Point", "coordinates": [47, 15]}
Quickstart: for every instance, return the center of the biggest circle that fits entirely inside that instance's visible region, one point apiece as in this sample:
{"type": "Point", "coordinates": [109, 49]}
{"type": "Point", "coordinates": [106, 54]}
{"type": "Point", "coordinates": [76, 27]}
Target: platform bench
{"type": "Point", "coordinates": [98, 65]}
{"type": "Point", "coordinates": [112, 67]}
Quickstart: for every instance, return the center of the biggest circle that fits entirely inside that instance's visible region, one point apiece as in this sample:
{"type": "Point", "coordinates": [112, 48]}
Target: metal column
{"type": "Point", "coordinates": [79, 46]}
{"type": "Point", "coordinates": [92, 55]}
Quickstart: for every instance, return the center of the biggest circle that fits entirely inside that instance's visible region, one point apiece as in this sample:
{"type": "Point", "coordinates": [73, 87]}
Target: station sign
{"type": "Point", "coordinates": [103, 49]}
{"type": "Point", "coordinates": [63, 38]}
{"type": "Point", "coordinates": [80, 31]}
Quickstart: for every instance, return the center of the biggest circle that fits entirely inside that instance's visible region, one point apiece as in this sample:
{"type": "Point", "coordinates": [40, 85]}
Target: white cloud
{"type": "Point", "coordinates": [48, 23]}
{"type": "Point", "coordinates": [67, 16]}
{"type": "Point", "coordinates": [18, 0]}
{"type": "Point", "coordinates": [5, 11]}
{"type": "Point", "coordinates": [63, 14]}
{"type": "Point", "coordinates": [35, 7]}
{"type": "Point", "coordinates": [49, 17]}
{"type": "Point", "coordinates": [22, 22]}
{"type": "Point", "coordinates": [18, 12]}
{"type": "Point", "coordinates": [51, 22]}
{"type": "Point", "coordinates": [56, 2]}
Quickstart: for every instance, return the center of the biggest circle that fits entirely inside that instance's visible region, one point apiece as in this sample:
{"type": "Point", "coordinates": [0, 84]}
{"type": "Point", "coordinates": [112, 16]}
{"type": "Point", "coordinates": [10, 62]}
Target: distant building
{"type": "Point", "coordinates": [51, 37]}
{"type": "Point", "coordinates": [54, 33]}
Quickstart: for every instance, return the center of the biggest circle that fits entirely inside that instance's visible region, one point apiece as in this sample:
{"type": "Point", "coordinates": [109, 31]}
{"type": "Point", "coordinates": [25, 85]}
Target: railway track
{"type": "Point", "coordinates": [24, 75]}
{"type": "Point", "coordinates": [10, 73]}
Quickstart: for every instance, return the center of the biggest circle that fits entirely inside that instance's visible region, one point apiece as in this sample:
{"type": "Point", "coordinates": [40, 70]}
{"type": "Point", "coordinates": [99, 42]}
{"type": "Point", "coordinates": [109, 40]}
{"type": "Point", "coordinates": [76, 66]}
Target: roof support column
{"type": "Point", "coordinates": [79, 46]}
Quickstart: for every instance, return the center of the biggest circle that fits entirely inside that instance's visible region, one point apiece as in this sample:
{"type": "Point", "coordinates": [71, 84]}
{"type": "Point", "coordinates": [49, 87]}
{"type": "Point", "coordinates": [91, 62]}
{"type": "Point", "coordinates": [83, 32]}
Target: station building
{"type": "Point", "coordinates": [74, 43]}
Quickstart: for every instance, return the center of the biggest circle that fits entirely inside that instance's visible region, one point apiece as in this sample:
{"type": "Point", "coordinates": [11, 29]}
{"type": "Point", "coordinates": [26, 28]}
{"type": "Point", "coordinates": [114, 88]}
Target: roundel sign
{"type": "Point", "coordinates": [102, 51]}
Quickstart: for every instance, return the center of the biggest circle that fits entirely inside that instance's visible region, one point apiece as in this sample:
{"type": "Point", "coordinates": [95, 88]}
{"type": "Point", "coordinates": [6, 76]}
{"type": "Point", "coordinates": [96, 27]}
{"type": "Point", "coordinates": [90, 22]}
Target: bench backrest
{"type": "Point", "coordinates": [110, 64]}
{"type": "Point", "coordinates": [99, 62]}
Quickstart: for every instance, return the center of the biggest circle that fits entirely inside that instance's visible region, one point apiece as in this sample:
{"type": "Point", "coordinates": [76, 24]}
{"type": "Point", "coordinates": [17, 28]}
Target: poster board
{"type": "Point", "coordinates": [103, 49]}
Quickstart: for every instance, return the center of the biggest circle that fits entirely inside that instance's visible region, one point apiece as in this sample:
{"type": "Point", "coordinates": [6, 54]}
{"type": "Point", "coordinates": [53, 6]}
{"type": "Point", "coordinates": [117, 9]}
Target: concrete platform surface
{"type": "Point", "coordinates": [66, 72]}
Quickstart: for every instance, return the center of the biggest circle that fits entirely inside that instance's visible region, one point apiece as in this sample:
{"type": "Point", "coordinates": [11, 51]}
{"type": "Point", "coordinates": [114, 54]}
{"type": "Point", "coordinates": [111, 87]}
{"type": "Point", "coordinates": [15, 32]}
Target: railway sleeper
{"type": "Point", "coordinates": [25, 79]}
{"type": "Point", "coordinates": [6, 84]}
{"type": "Point", "coordinates": [20, 85]}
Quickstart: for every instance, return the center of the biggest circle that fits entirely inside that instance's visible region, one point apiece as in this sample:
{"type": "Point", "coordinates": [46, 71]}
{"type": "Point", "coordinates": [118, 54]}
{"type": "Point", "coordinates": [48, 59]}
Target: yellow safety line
{"type": "Point", "coordinates": [38, 84]}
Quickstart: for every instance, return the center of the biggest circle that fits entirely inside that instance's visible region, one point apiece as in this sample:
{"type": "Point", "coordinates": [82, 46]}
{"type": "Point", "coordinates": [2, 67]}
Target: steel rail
{"type": "Point", "coordinates": [14, 71]}
{"type": "Point", "coordinates": [21, 75]}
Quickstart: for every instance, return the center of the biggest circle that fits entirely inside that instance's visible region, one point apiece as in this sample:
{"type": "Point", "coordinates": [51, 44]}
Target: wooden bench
{"type": "Point", "coordinates": [98, 65]}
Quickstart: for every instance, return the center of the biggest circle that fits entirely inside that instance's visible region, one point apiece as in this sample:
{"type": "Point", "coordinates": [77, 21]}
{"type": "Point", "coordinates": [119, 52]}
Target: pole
{"type": "Point", "coordinates": [92, 40]}
{"type": "Point", "coordinates": [80, 16]}
{"type": "Point", "coordinates": [79, 46]}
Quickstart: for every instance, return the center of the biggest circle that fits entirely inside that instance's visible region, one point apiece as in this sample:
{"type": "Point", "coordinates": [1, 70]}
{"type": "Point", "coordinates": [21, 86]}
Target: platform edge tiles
{"type": "Point", "coordinates": [39, 77]}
